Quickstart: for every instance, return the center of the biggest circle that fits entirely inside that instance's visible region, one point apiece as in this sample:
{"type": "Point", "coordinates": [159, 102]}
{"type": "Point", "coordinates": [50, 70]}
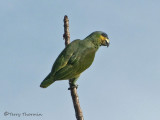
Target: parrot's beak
{"type": "Point", "coordinates": [107, 42]}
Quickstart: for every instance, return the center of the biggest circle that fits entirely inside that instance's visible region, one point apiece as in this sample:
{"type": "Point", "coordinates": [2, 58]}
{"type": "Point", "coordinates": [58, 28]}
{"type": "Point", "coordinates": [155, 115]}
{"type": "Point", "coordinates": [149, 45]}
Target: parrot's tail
{"type": "Point", "coordinates": [47, 81]}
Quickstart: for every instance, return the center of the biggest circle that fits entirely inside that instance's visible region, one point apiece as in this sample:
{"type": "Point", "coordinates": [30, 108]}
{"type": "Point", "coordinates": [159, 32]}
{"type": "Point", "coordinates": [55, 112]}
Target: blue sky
{"type": "Point", "coordinates": [122, 83]}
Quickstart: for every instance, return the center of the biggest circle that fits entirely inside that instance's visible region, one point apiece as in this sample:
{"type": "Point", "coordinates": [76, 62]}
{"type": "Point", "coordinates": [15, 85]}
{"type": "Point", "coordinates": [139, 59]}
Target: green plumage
{"type": "Point", "coordinates": [75, 58]}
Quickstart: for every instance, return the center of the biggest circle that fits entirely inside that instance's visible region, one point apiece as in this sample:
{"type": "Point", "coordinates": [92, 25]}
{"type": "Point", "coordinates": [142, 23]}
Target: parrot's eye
{"type": "Point", "coordinates": [104, 35]}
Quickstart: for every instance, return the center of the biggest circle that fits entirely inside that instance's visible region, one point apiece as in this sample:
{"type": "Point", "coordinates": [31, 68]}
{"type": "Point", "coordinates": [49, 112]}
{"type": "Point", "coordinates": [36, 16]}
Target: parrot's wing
{"type": "Point", "coordinates": [69, 70]}
{"type": "Point", "coordinates": [65, 56]}
{"type": "Point", "coordinates": [60, 63]}
{"type": "Point", "coordinates": [79, 61]}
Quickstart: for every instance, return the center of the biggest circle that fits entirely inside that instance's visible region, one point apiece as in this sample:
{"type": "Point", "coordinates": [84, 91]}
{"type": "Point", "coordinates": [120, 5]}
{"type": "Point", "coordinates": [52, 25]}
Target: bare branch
{"type": "Point", "coordinates": [75, 99]}
{"type": "Point", "coordinates": [66, 35]}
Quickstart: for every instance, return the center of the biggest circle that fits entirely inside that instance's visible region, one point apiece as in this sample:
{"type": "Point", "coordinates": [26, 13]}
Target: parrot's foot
{"type": "Point", "coordinates": [72, 86]}
{"type": "Point", "coordinates": [72, 83]}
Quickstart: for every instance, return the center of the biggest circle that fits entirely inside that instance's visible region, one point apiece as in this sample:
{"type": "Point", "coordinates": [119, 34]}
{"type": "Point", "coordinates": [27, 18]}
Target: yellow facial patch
{"type": "Point", "coordinates": [102, 38]}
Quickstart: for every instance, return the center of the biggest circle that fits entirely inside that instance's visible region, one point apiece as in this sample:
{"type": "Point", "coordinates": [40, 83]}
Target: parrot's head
{"type": "Point", "coordinates": [100, 37]}
{"type": "Point", "coordinates": [103, 37]}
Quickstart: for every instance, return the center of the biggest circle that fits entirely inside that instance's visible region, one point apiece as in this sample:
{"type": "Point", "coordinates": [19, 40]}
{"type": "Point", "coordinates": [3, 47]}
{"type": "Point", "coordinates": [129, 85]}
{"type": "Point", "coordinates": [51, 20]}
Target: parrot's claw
{"type": "Point", "coordinates": [72, 86]}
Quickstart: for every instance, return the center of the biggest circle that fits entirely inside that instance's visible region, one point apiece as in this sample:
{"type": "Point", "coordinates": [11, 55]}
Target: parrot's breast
{"type": "Point", "coordinates": [86, 59]}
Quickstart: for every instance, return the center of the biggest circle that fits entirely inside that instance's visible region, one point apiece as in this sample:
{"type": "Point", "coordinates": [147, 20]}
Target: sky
{"type": "Point", "coordinates": [123, 81]}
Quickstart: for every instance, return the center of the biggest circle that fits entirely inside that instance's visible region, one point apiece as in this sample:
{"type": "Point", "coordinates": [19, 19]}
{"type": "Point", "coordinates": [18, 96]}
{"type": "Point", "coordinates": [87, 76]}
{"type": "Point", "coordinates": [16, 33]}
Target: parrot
{"type": "Point", "coordinates": [75, 59]}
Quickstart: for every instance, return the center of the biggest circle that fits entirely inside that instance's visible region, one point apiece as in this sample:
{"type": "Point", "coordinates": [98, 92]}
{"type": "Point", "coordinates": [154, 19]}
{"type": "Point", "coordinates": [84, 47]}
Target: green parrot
{"type": "Point", "coordinates": [76, 58]}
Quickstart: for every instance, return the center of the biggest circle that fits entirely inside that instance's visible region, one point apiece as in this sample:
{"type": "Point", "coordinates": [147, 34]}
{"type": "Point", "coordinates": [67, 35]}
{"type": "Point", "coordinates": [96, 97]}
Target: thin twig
{"type": "Point", "coordinates": [75, 99]}
{"type": "Point", "coordinates": [66, 35]}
